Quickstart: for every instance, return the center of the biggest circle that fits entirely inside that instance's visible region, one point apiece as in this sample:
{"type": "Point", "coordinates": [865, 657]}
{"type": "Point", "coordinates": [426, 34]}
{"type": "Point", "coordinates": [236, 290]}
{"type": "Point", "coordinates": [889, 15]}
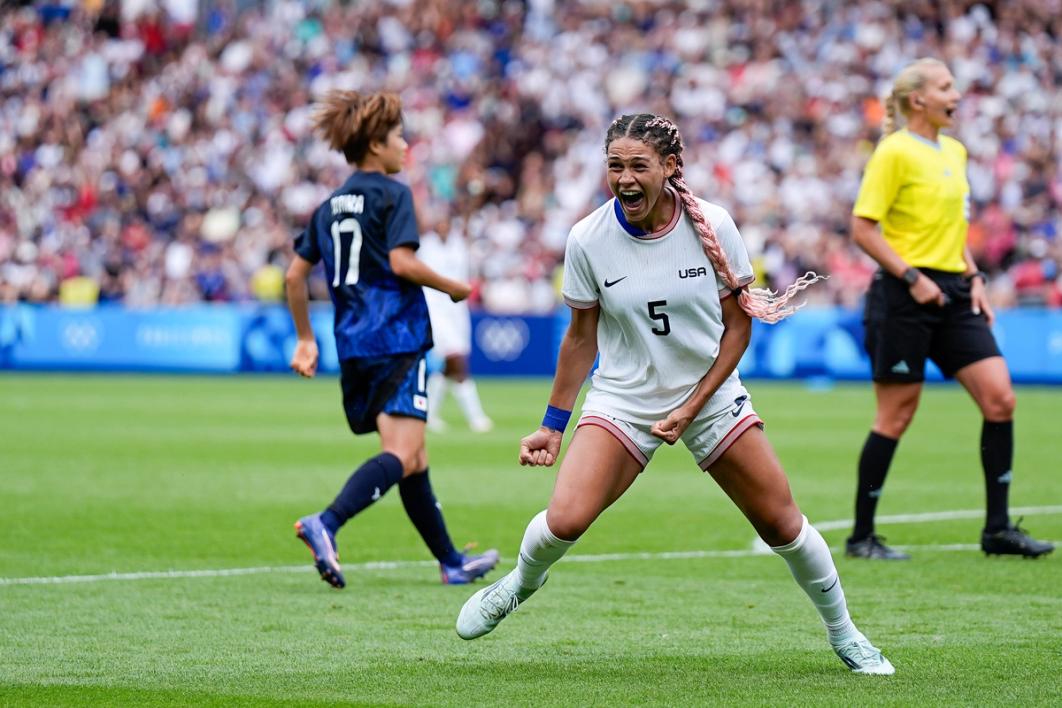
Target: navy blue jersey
{"type": "Point", "coordinates": [377, 313]}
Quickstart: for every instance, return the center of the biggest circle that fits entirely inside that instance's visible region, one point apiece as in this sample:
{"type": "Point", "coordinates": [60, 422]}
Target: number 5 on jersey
{"type": "Point", "coordinates": [660, 317]}
{"type": "Point", "coordinates": [352, 227]}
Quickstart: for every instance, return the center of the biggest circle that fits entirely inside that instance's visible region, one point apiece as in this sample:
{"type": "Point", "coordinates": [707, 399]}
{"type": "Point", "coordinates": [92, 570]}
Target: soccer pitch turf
{"type": "Point", "coordinates": [139, 476]}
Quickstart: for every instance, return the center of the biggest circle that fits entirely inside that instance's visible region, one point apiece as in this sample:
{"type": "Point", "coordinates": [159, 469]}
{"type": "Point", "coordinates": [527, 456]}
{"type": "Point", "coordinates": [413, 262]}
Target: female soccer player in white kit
{"type": "Point", "coordinates": [657, 282]}
{"type": "Point", "coordinates": [445, 250]}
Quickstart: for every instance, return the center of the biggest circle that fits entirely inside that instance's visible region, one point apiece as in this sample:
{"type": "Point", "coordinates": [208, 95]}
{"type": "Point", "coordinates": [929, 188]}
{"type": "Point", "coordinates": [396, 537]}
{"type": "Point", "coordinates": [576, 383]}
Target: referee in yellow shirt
{"type": "Point", "coordinates": [928, 300]}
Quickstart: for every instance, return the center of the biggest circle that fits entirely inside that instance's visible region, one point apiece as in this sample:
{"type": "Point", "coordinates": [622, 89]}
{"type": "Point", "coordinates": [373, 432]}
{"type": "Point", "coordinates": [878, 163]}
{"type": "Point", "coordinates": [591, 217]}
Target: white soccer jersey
{"type": "Point", "coordinates": [661, 317]}
{"type": "Point", "coordinates": [450, 321]}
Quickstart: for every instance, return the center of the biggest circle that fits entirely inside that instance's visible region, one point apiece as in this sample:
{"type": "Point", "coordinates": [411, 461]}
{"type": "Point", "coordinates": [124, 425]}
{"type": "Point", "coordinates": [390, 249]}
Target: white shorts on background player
{"type": "Point", "coordinates": [451, 325]}
{"type": "Point", "coordinates": [660, 324]}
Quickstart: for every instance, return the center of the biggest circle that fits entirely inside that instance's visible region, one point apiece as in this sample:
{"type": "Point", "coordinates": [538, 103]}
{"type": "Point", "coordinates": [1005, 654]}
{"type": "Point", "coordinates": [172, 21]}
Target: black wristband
{"type": "Point", "coordinates": [979, 274]}
{"type": "Point", "coordinates": [910, 276]}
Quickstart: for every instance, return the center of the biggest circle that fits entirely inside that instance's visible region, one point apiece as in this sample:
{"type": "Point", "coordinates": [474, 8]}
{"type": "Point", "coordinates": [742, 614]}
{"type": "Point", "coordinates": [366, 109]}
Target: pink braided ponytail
{"type": "Point", "coordinates": [663, 136]}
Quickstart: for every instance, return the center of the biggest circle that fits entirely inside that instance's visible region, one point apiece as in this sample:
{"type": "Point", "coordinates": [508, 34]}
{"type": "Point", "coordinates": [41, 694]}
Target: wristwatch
{"type": "Point", "coordinates": [910, 276]}
{"type": "Point", "coordinates": [979, 274]}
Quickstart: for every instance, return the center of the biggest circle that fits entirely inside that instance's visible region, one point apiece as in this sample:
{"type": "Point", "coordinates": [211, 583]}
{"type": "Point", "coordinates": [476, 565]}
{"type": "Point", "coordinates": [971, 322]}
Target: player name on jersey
{"type": "Point", "coordinates": [347, 204]}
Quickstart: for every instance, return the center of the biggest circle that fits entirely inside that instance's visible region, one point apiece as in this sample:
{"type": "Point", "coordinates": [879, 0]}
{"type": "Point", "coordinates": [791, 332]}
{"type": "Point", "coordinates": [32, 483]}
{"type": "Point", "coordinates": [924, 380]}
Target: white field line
{"type": "Point", "coordinates": [214, 573]}
{"type": "Point", "coordinates": [938, 516]}
{"type": "Point", "coordinates": [763, 549]}
{"type": "Point", "coordinates": [759, 548]}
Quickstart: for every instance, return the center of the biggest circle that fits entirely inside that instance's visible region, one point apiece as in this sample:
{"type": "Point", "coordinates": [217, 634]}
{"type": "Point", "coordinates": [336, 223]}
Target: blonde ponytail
{"type": "Point", "coordinates": [890, 125]}
{"type": "Point", "coordinates": [911, 78]}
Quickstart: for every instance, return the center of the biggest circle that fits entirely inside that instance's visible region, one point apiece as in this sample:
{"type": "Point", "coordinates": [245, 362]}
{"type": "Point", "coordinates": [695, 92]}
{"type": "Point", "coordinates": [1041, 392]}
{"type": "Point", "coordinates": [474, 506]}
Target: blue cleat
{"type": "Point", "coordinates": [472, 568]}
{"type": "Point", "coordinates": [322, 544]}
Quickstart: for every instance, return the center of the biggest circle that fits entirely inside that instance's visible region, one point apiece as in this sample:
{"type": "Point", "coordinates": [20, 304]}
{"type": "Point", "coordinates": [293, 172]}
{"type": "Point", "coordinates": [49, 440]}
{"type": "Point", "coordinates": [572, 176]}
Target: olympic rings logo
{"type": "Point", "coordinates": [502, 339]}
{"type": "Point", "coordinates": [80, 336]}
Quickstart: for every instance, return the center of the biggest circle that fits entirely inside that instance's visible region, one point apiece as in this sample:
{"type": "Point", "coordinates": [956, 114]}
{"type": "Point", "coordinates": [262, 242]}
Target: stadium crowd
{"type": "Point", "coordinates": [156, 153]}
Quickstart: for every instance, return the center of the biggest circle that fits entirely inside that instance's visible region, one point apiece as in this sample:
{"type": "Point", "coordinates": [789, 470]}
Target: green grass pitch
{"type": "Point", "coordinates": [127, 475]}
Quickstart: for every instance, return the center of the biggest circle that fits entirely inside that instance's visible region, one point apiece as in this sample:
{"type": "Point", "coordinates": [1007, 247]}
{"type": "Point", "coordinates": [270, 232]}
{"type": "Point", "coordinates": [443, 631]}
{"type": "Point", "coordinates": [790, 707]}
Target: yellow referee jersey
{"type": "Point", "coordinates": [917, 190]}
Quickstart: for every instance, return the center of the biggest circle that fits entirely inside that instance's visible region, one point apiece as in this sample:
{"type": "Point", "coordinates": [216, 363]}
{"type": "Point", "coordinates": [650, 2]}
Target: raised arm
{"type": "Point", "coordinates": [577, 353]}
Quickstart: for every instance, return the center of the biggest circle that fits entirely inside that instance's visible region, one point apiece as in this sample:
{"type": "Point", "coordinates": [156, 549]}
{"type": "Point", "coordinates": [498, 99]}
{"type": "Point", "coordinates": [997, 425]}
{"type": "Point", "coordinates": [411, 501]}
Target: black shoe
{"type": "Point", "coordinates": [1013, 541]}
{"type": "Point", "coordinates": [872, 547]}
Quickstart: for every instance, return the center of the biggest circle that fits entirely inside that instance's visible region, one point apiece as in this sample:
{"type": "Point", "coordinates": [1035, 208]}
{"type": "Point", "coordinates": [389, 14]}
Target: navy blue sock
{"type": "Point", "coordinates": [368, 483]}
{"type": "Point", "coordinates": [997, 452]}
{"type": "Point", "coordinates": [423, 510]}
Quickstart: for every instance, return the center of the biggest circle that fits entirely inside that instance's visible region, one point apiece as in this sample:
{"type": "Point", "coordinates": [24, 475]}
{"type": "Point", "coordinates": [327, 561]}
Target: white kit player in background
{"type": "Point", "coordinates": [444, 248]}
{"type": "Point", "coordinates": [657, 281]}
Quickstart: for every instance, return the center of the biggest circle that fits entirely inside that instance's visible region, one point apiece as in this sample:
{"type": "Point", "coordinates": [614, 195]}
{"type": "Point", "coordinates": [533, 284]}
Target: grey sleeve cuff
{"type": "Point", "coordinates": [579, 304]}
{"type": "Point", "coordinates": [743, 280]}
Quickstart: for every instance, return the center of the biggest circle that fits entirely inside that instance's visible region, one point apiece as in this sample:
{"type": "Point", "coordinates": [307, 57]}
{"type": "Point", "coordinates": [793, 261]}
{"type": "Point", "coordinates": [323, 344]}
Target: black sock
{"type": "Point", "coordinates": [873, 466]}
{"type": "Point", "coordinates": [368, 483]}
{"type": "Point", "coordinates": [997, 455]}
{"type": "Point", "coordinates": [423, 510]}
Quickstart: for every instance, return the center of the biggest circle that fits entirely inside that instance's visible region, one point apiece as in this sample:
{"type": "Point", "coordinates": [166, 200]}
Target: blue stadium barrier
{"type": "Point", "coordinates": [816, 343]}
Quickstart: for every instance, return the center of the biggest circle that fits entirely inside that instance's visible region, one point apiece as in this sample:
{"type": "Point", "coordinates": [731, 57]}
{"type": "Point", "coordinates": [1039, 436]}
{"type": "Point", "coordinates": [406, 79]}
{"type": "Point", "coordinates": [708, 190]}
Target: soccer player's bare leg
{"type": "Point", "coordinates": [596, 471]}
{"type": "Point", "coordinates": [751, 475]}
{"type": "Point", "coordinates": [455, 367]}
{"type": "Point", "coordinates": [988, 383]}
{"type": "Point", "coordinates": [403, 437]}
{"type": "Point", "coordinates": [896, 406]}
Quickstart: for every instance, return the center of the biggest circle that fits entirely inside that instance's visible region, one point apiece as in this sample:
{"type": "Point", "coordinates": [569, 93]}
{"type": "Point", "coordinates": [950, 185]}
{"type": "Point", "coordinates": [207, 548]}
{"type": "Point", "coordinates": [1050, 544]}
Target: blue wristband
{"type": "Point", "coordinates": [556, 419]}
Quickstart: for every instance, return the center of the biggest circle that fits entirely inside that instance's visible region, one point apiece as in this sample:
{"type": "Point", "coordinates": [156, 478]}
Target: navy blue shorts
{"type": "Point", "coordinates": [395, 385]}
{"type": "Point", "coordinates": [901, 334]}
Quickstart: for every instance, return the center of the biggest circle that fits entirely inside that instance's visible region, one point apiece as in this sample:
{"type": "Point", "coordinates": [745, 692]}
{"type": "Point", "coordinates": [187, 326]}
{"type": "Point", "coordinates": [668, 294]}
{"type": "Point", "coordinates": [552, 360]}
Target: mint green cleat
{"type": "Point", "coordinates": [483, 611]}
{"type": "Point", "coordinates": [862, 657]}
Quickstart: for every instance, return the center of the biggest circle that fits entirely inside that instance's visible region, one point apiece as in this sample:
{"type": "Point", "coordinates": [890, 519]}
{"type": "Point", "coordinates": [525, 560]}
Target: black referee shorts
{"type": "Point", "coordinates": [901, 334]}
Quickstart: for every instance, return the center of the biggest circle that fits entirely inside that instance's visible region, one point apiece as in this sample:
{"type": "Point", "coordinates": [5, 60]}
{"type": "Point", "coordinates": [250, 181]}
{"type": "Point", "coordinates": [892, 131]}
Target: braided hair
{"type": "Point", "coordinates": [663, 136]}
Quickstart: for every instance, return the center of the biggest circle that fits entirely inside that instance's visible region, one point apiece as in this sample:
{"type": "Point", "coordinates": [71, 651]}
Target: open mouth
{"type": "Point", "coordinates": [631, 200]}
{"type": "Point", "coordinates": [950, 111]}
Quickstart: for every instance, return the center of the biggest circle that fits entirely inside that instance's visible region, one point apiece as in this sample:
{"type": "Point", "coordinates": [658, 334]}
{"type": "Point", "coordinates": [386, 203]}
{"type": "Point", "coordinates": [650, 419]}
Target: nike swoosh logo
{"type": "Point", "coordinates": [739, 403]}
{"type": "Point", "coordinates": [609, 285]}
{"type": "Point", "coordinates": [831, 584]}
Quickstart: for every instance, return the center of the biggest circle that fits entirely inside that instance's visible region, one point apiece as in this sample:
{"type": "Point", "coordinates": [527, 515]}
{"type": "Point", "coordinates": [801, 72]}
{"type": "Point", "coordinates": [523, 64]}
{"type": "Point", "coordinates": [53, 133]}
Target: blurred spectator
{"type": "Point", "coordinates": [165, 155]}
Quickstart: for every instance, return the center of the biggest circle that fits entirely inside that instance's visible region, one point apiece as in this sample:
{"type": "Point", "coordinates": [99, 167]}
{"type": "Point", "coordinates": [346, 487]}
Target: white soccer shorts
{"type": "Point", "coordinates": [707, 437]}
{"type": "Point", "coordinates": [451, 329]}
